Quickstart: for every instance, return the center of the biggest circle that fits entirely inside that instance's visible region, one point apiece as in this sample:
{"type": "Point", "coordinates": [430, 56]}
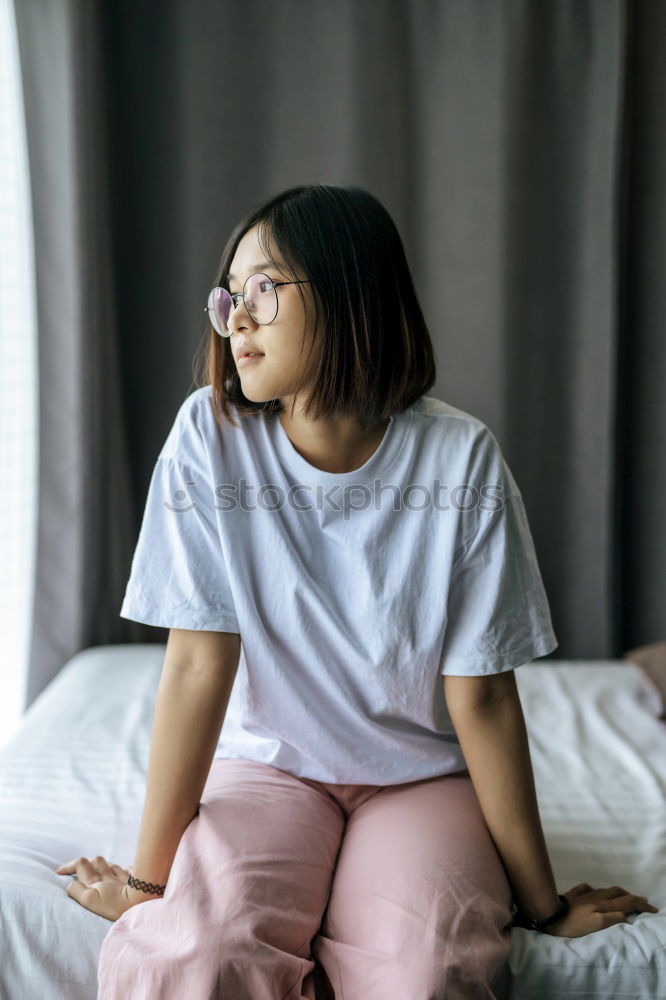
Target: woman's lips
{"type": "Point", "coordinates": [247, 359]}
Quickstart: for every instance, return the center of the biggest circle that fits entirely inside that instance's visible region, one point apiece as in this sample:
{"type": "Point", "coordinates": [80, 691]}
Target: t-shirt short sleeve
{"type": "Point", "coordinates": [179, 577]}
{"type": "Point", "coordinates": [498, 616]}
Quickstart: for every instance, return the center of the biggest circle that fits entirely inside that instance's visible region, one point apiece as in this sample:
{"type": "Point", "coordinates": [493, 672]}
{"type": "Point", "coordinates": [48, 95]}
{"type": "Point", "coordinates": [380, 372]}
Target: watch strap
{"type": "Point", "coordinates": [520, 920]}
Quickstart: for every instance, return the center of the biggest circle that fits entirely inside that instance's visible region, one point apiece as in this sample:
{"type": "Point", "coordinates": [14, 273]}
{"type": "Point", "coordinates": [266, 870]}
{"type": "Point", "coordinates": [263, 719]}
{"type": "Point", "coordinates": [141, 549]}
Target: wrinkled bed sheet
{"type": "Point", "coordinates": [72, 782]}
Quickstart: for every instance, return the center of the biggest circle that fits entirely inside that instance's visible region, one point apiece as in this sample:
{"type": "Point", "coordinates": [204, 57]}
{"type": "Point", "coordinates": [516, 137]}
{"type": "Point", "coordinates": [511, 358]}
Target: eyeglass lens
{"type": "Point", "coordinates": [260, 301]}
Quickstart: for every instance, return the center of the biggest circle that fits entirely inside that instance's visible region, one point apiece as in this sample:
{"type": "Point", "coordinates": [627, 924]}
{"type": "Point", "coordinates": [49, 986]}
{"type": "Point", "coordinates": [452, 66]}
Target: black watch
{"type": "Point", "coordinates": [531, 924]}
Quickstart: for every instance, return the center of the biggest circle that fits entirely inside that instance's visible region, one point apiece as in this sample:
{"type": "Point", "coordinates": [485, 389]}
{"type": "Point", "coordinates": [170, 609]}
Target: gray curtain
{"type": "Point", "coordinates": [520, 149]}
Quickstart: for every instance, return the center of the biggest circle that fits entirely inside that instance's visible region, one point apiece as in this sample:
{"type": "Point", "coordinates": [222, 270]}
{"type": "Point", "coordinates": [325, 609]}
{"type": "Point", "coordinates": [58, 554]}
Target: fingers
{"type": "Point", "coordinates": [102, 866]}
{"type": "Point", "coordinates": [580, 888]}
{"type": "Point", "coordinates": [613, 892]}
{"type": "Point", "coordinates": [79, 891]}
{"type": "Point", "coordinates": [66, 868]}
{"type": "Point", "coordinates": [628, 903]}
{"type": "Point", "coordinates": [615, 899]}
{"type": "Point", "coordinates": [86, 870]}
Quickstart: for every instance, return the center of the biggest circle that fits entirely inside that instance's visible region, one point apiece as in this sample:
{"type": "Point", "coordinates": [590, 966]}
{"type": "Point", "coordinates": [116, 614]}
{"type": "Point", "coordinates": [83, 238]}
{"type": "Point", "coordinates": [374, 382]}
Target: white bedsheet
{"type": "Point", "coordinates": [72, 781]}
{"type": "Point", "coordinates": [599, 755]}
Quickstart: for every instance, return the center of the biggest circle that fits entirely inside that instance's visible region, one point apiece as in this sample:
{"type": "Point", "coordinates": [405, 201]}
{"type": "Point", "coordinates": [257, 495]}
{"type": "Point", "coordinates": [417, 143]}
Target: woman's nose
{"type": "Point", "coordinates": [240, 319]}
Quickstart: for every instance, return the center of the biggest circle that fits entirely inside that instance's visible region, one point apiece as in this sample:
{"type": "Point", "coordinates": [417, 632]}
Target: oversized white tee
{"type": "Point", "coordinates": [353, 593]}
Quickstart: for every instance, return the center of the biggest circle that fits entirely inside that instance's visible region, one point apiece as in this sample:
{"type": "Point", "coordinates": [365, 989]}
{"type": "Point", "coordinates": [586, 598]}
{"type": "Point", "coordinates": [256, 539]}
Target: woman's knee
{"type": "Point", "coordinates": [253, 969]}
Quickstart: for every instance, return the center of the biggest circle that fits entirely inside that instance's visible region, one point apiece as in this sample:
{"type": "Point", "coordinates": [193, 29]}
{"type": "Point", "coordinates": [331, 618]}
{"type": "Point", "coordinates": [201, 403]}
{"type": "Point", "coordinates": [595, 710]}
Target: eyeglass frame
{"type": "Point", "coordinates": [234, 295]}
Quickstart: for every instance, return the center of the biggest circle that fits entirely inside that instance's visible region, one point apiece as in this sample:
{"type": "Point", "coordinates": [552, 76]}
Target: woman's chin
{"type": "Point", "coordinates": [255, 392]}
{"type": "Point", "coordinates": [262, 390]}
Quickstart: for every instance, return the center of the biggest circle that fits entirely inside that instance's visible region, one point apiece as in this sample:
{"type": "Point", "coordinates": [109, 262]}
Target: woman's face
{"type": "Point", "coordinates": [275, 374]}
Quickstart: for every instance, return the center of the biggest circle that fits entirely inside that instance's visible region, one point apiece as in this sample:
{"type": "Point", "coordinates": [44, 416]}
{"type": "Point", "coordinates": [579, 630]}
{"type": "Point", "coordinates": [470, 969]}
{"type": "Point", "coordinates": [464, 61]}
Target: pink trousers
{"type": "Point", "coordinates": [287, 888]}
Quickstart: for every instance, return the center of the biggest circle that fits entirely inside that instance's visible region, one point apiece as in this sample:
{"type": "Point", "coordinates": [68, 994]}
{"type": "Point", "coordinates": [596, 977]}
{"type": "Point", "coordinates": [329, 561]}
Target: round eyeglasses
{"type": "Point", "coordinates": [259, 297]}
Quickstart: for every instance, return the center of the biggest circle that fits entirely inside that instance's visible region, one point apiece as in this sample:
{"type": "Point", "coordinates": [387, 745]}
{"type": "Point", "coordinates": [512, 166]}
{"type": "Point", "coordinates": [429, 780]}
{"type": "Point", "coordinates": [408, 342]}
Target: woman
{"type": "Point", "coordinates": [344, 800]}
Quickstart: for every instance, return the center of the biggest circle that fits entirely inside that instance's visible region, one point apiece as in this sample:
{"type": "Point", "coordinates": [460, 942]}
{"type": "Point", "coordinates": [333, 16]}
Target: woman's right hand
{"type": "Point", "coordinates": [101, 887]}
{"type": "Point", "coordinates": [593, 909]}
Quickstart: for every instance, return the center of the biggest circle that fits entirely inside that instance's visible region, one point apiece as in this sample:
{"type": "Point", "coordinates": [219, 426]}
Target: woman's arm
{"type": "Point", "coordinates": [194, 689]}
{"type": "Point", "coordinates": [493, 737]}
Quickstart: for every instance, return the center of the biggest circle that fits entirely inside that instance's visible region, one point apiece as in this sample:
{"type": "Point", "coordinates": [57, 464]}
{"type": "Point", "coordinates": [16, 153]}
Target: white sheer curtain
{"type": "Point", "coordinates": [18, 385]}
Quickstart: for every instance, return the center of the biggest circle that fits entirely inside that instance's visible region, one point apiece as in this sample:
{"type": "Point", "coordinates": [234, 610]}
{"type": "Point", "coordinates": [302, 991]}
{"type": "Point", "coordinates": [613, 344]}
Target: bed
{"type": "Point", "coordinates": [72, 782]}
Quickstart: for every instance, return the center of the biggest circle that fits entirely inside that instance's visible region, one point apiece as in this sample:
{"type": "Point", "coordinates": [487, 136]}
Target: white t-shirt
{"type": "Point", "coordinates": [353, 593]}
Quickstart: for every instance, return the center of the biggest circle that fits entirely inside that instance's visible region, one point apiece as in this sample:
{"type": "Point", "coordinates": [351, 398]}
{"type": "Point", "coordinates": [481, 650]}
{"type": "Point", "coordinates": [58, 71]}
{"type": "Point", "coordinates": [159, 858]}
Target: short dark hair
{"type": "Point", "coordinates": [373, 352]}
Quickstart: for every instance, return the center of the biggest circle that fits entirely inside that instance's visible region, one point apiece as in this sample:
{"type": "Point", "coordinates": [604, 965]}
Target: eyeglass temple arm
{"type": "Point", "coordinates": [276, 284]}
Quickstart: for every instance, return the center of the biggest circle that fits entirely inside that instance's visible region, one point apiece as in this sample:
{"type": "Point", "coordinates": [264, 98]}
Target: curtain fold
{"type": "Point", "coordinates": [520, 149]}
{"type": "Point", "coordinates": [85, 511]}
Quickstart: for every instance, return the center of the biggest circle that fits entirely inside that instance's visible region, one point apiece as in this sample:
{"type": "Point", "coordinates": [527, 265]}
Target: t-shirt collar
{"type": "Point", "coordinates": [378, 463]}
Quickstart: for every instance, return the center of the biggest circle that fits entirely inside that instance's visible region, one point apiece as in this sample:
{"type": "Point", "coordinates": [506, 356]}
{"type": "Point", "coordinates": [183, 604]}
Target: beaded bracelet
{"type": "Point", "coordinates": [146, 886]}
